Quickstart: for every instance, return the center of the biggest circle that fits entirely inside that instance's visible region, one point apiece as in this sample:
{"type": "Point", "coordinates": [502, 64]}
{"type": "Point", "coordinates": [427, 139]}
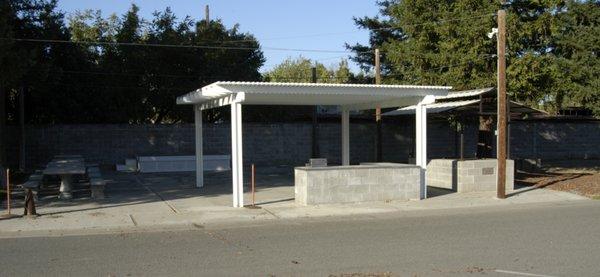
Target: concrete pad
{"type": "Point", "coordinates": [147, 201]}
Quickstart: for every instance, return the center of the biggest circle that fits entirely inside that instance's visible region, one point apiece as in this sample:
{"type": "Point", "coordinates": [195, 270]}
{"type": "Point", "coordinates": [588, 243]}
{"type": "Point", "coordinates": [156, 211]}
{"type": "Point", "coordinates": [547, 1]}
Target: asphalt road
{"type": "Point", "coordinates": [544, 240]}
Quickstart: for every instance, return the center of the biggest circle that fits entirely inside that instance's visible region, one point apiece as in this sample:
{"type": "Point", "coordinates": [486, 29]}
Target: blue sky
{"type": "Point", "coordinates": [272, 22]}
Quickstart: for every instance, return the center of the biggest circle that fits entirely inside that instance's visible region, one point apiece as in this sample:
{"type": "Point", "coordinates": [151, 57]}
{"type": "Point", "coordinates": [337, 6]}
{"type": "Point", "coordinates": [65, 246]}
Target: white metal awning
{"type": "Point", "coordinates": [348, 96]}
{"type": "Point", "coordinates": [466, 93]}
{"type": "Point", "coordinates": [351, 96]}
{"type": "Point", "coordinates": [432, 108]}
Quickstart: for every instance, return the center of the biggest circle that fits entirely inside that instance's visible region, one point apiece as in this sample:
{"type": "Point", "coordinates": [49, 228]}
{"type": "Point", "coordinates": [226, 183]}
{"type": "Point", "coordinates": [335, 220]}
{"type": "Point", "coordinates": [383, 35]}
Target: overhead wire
{"type": "Point", "coordinates": [111, 43]}
{"type": "Point", "coordinates": [295, 79]}
{"type": "Point", "coordinates": [175, 45]}
{"type": "Point", "coordinates": [352, 32]}
{"type": "Point", "coordinates": [236, 48]}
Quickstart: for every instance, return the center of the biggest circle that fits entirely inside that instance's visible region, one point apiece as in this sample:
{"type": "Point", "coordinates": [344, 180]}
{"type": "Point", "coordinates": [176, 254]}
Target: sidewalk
{"type": "Point", "coordinates": [185, 213]}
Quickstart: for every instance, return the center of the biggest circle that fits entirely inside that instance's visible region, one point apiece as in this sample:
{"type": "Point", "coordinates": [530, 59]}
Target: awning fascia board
{"type": "Point", "coordinates": [392, 103]}
{"type": "Point", "coordinates": [223, 101]}
{"type": "Point", "coordinates": [356, 97]}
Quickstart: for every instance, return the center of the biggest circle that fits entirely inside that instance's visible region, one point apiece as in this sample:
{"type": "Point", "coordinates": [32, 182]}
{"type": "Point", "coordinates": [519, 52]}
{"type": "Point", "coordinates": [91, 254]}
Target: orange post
{"type": "Point", "coordinates": [253, 184]}
{"type": "Point", "coordinates": [8, 191]}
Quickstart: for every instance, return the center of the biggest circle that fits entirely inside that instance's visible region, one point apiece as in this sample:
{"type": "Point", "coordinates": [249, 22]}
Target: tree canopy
{"type": "Point", "coordinates": [552, 47]}
{"type": "Point", "coordinates": [115, 69]}
{"type": "Point", "coordinates": [300, 70]}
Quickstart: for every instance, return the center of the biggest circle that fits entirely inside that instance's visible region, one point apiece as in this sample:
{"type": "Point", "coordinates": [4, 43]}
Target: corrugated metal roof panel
{"type": "Point", "coordinates": [433, 108]}
{"type": "Point", "coordinates": [279, 84]}
{"type": "Point", "coordinates": [465, 93]}
{"type": "Point", "coordinates": [353, 96]}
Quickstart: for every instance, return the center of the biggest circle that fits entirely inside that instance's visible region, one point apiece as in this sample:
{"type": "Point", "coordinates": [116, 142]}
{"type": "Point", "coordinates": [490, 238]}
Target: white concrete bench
{"type": "Point", "coordinates": [149, 164]}
{"type": "Point", "coordinates": [97, 183]}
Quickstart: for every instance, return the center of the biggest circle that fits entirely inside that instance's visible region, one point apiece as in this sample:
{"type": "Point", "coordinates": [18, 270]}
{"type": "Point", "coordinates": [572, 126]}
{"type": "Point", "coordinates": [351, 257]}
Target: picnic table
{"type": "Point", "coordinates": [65, 167]}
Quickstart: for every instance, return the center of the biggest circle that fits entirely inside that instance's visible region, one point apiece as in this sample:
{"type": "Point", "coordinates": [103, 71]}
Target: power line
{"type": "Point", "coordinates": [339, 57]}
{"type": "Point", "coordinates": [204, 80]}
{"type": "Point", "coordinates": [434, 22]}
{"type": "Point", "coordinates": [125, 74]}
{"type": "Point", "coordinates": [250, 40]}
{"type": "Point", "coordinates": [222, 77]}
{"type": "Point", "coordinates": [173, 45]}
{"type": "Point", "coordinates": [352, 32]}
{"type": "Point", "coordinates": [150, 75]}
{"type": "Point", "coordinates": [487, 56]}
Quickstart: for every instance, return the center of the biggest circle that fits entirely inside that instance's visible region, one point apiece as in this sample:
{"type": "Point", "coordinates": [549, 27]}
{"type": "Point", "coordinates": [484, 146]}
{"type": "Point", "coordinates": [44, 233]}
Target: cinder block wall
{"type": "Point", "coordinates": [441, 173]}
{"type": "Point", "coordinates": [290, 143]}
{"type": "Point", "coordinates": [467, 175]}
{"type": "Point", "coordinates": [356, 184]}
{"type": "Point", "coordinates": [555, 140]}
{"type": "Point", "coordinates": [480, 175]}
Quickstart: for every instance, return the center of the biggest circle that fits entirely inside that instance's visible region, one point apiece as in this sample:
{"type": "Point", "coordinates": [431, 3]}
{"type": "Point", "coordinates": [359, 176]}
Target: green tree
{"type": "Point", "coordinates": [299, 70]}
{"type": "Point", "coordinates": [104, 70]}
{"type": "Point", "coordinates": [37, 66]}
{"type": "Point", "coordinates": [552, 47]}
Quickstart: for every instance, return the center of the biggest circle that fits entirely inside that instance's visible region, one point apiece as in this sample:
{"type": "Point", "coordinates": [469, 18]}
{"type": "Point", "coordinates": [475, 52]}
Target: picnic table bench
{"type": "Point", "coordinates": [97, 183]}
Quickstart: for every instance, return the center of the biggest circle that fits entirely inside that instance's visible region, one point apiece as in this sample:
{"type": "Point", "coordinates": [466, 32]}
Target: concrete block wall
{"type": "Point", "coordinates": [468, 175]}
{"type": "Point", "coordinates": [442, 141]}
{"type": "Point", "coordinates": [290, 143]}
{"type": "Point", "coordinates": [480, 175]}
{"type": "Point", "coordinates": [555, 140]}
{"type": "Point", "coordinates": [264, 144]}
{"type": "Point", "coordinates": [347, 184]}
{"type": "Point", "coordinates": [441, 173]}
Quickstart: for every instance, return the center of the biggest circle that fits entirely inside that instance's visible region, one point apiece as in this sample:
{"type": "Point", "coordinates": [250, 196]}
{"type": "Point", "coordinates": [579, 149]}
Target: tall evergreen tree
{"type": "Point", "coordinates": [445, 43]}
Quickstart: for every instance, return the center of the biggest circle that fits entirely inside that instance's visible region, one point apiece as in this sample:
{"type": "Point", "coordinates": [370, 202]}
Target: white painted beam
{"type": "Point", "coordinates": [390, 103]}
{"type": "Point", "coordinates": [345, 136]}
{"type": "Point", "coordinates": [421, 140]}
{"type": "Point", "coordinates": [237, 169]}
{"type": "Point", "coordinates": [199, 154]}
{"type": "Point", "coordinates": [240, 150]}
{"type": "Point", "coordinates": [223, 101]}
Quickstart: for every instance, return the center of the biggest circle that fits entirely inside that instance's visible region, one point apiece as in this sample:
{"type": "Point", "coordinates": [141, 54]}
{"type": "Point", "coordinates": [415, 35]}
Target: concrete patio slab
{"type": "Point", "coordinates": [159, 201]}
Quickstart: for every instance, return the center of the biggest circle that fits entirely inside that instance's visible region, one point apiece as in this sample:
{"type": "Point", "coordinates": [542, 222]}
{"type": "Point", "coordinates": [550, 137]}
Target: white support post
{"type": "Point", "coordinates": [421, 144]}
{"type": "Point", "coordinates": [345, 136]}
{"type": "Point", "coordinates": [199, 155]}
{"type": "Point", "coordinates": [237, 164]}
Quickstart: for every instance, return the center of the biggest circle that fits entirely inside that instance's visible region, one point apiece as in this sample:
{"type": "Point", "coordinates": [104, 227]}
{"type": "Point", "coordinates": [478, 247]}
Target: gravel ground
{"type": "Point", "coordinates": [583, 182]}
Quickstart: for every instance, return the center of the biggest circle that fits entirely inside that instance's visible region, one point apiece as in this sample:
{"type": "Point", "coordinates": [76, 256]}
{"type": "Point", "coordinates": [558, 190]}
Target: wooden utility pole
{"type": "Point", "coordinates": [315, 144]}
{"type": "Point", "coordinates": [378, 146]}
{"type": "Point", "coordinates": [501, 99]}
{"type": "Point", "coordinates": [207, 16]}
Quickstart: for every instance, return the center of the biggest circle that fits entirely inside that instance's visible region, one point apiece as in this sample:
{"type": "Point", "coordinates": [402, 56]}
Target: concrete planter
{"type": "Point", "coordinates": [467, 175]}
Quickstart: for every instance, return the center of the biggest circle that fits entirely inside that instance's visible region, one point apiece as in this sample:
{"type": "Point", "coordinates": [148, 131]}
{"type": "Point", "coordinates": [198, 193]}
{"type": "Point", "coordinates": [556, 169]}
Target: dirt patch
{"type": "Point", "coordinates": [374, 274]}
{"type": "Point", "coordinates": [97, 214]}
{"type": "Point", "coordinates": [582, 183]}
